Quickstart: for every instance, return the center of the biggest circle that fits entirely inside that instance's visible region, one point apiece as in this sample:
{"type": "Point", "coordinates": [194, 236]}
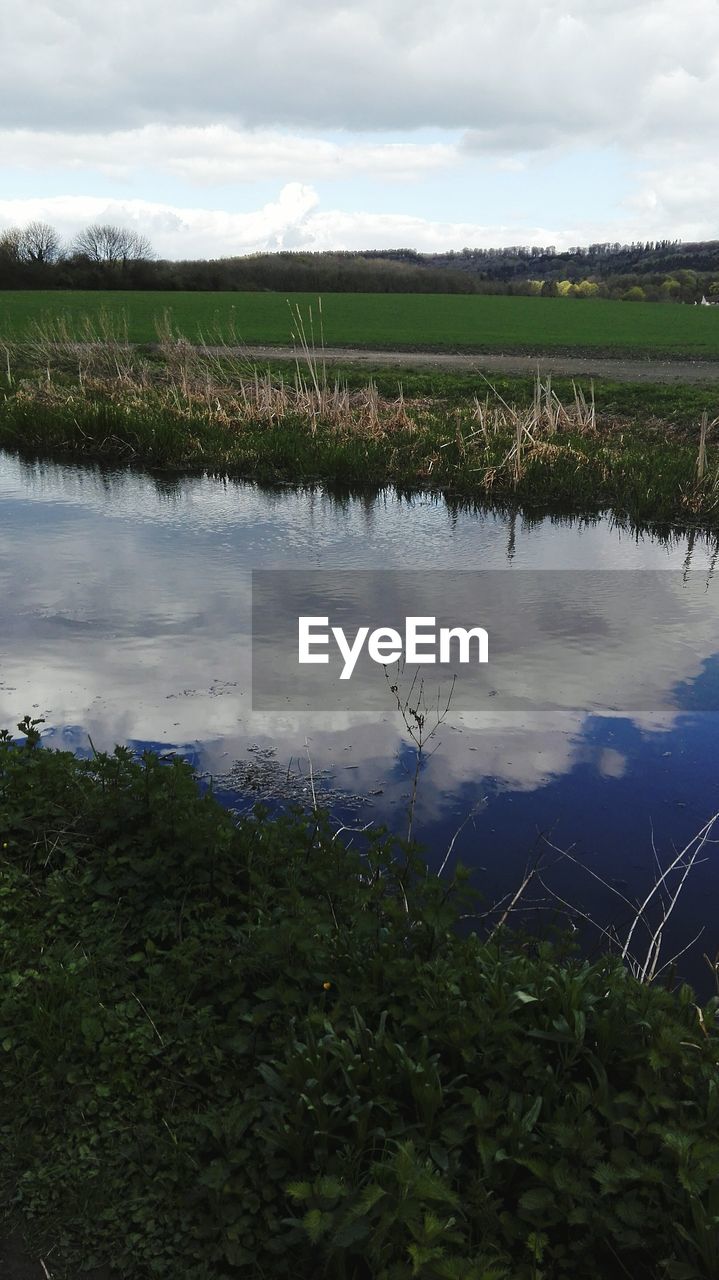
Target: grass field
{"type": "Point", "coordinates": [392, 321]}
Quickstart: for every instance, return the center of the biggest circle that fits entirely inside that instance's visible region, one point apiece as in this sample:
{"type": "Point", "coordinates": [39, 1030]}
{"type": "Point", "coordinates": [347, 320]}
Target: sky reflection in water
{"type": "Point", "coordinates": [126, 616]}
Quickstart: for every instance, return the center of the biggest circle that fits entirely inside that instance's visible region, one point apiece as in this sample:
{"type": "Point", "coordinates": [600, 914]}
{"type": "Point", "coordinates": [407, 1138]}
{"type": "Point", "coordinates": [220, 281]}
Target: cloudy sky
{"type": "Point", "coordinates": [230, 126]}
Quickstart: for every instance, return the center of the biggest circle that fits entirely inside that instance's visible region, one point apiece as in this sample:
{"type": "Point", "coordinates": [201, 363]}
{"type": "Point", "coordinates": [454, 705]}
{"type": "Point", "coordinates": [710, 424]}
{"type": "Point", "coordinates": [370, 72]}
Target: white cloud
{"type": "Point", "coordinates": [174, 232]}
{"type": "Point", "coordinates": [211, 154]}
{"type": "Point", "coordinates": [295, 220]}
{"type": "Point", "coordinates": [304, 91]}
{"type": "Point", "coordinates": [680, 192]}
{"type": "Point", "coordinates": [569, 69]}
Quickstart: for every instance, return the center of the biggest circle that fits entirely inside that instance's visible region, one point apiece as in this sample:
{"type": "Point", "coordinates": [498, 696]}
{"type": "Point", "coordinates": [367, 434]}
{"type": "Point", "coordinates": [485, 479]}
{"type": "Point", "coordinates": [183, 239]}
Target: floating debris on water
{"type": "Point", "coordinates": [263, 778]}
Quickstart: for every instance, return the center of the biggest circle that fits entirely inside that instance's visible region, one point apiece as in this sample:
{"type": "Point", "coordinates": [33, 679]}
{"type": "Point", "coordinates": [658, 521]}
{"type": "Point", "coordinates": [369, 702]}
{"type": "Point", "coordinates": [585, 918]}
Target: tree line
{"type": "Point", "coordinates": [100, 255]}
{"type": "Point", "coordinates": [108, 256]}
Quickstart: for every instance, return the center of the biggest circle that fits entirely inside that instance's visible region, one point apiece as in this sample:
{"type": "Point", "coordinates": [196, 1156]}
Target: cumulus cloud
{"type": "Point", "coordinates": [296, 220]}
{"type": "Point", "coordinates": [292, 221]}
{"type": "Point", "coordinates": [217, 154]}
{"type": "Point", "coordinates": [306, 91]}
{"type": "Point", "coordinates": [175, 232]}
{"type": "Point", "coordinates": [580, 69]}
{"type": "Point", "coordinates": [680, 192]}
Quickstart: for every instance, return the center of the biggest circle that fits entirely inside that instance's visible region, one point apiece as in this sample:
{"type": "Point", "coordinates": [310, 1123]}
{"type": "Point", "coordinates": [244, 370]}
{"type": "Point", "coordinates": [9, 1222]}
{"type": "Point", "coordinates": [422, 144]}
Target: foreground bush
{"type": "Point", "coordinates": [246, 1051]}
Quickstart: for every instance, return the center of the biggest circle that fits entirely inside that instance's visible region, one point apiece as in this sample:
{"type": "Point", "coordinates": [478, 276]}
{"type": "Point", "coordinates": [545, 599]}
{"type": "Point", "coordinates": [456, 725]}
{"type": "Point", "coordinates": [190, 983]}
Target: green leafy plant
{"type": "Point", "coordinates": [246, 1050]}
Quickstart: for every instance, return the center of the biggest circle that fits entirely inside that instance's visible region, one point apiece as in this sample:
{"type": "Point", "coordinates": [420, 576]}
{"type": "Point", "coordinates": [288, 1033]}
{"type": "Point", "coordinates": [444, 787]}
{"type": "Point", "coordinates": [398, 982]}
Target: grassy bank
{"type": "Point", "coordinates": [572, 447]}
{"type": "Point", "coordinates": [246, 1050]}
{"type": "Point", "coordinates": [675, 404]}
{"type": "Point", "coordinates": [441, 322]}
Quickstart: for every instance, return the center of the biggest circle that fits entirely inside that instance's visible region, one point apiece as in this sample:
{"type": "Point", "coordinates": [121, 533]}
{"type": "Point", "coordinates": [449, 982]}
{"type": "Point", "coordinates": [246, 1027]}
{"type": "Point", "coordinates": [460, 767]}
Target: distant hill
{"type": "Point", "coordinates": [599, 260]}
{"type": "Point", "coordinates": [662, 270]}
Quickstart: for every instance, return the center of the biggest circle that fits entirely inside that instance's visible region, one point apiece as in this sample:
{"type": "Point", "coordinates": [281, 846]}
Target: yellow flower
{"type": "Point", "coordinates": [326, 986]}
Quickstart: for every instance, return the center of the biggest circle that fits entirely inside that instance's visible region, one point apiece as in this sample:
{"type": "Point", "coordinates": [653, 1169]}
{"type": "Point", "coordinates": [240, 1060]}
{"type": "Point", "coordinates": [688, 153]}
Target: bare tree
{"type": "Point", "coordinates": [39, 242]}
{"type": "Point", "coordinates": [10, 245]}
{"type": "Point", "coordinates": [103, 242]}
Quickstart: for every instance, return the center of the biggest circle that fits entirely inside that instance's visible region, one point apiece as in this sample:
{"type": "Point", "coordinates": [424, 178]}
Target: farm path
{"type": "Point", "coordinates": [561, 365]}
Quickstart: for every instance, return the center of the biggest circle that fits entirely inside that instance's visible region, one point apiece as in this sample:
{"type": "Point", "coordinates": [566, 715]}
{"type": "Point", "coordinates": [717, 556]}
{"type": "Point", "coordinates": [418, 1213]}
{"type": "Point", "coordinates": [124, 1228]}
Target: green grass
{"type": "Point", "coordinates": [645, 471]}
{"type": "Point", "coordinates": [582, 447]}
{"type": "Point", "coordinates": [396, 322]}
{"type": "Point", "coordinates": [248, 1051]}
{"type": "Point", "coordinates": [677, 403]}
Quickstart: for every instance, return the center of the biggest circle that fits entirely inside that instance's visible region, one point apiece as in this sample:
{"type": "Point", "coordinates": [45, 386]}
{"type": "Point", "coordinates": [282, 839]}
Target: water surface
{"type": "Point", "coordinates": [126, 618]}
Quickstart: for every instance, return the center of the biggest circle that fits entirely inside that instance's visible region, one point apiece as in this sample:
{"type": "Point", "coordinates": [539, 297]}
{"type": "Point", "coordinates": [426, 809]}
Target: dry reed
{"type": "Point", "coordinates": [486, 443]}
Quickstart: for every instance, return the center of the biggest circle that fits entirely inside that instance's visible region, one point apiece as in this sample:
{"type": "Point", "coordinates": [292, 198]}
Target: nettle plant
{"type": "Point", "coordinates": [245, 1049]}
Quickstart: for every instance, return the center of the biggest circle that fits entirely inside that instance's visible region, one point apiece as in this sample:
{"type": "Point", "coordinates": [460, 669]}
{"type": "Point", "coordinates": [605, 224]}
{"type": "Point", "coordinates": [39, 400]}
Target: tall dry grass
{"type": "Point", "coordinates": [203, 398]}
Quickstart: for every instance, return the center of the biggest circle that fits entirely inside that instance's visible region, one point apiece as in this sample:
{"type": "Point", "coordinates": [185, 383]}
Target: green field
{"type": "Point", "coordinates": [392, 321]}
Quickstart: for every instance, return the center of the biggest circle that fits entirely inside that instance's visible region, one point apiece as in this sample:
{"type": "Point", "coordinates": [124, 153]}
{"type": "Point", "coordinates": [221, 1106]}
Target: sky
{"type": "Point", "coordinates": [235, 126]}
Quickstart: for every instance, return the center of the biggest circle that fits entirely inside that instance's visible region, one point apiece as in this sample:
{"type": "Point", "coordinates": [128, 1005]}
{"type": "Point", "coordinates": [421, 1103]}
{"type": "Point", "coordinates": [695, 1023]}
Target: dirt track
{"type": "Point", "coordinates": [615, 368]}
